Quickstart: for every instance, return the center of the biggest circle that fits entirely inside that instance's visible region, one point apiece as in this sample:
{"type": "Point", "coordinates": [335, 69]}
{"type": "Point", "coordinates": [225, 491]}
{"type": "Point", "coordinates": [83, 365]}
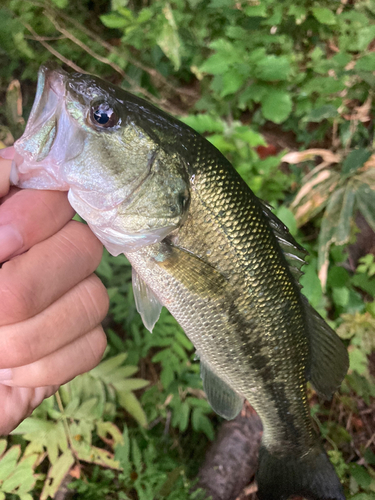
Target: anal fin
{"type": "Point", "coordinates": [146, 302]}
{"type": "Point", "coordinates": [224, 400]}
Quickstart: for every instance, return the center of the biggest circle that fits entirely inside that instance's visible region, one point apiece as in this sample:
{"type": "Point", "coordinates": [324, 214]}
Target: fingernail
{"type": "Point", "coordinates": [7, 153]}
{"type": "Point", "coordinates": [10, 242]}
{"type": "Point", "coordinates": [5, 375]}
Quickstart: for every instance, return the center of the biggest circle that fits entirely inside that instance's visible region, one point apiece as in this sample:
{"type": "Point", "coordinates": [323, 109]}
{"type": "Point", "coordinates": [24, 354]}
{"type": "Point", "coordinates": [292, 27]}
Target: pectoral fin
{"type": "Point", "coordinates": [146, 302]}
{"type": "Point", "coordinates": [224, 400]}
{"type": "Point", "coordinates": [329, 359]}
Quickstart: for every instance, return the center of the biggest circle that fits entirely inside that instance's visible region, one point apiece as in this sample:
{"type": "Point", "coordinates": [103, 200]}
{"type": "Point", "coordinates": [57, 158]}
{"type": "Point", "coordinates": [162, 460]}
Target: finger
{"type": "Point", "coordinates": [4, 176]}
{"type": "Point", "coordinates": [18, 403]}
{"type": "Point", "coordinates": [31, 216]}
{"type": "Point", "coordinates": [59, 367]}
{"type": "Point", "coordinates": [78, 311]}
{"type": "Point", "coordinates": [34, 280]}
{"type": "Point", "coordinates": [7, 153]}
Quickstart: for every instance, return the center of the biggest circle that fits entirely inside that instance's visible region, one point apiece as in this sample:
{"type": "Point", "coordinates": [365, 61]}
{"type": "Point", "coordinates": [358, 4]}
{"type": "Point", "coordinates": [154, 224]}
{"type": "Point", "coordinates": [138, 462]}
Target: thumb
{"type": "Point", "coordinates": [4, 176]}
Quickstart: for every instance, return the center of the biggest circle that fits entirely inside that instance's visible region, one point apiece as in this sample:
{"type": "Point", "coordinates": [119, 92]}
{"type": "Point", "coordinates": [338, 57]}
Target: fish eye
{"type": "Point", "coordinates": [104, 115]}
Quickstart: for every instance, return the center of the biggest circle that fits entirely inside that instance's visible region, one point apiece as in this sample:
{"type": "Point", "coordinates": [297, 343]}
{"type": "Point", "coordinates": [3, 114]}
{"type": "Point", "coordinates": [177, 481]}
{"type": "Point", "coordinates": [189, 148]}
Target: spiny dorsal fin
{"type": "Point", "coordinates": [146, 301]}
{"type": "Point", "coordinates": [293, 252]}
{"type": "Point", "coordinates": [223, 399]}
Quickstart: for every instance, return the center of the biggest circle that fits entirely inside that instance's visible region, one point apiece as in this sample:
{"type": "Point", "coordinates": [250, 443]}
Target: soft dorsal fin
{"type": "Point", "coordinates": [224, 400]}
{"type": "Point", "coordinates": [293, 252]}
{"type": "Point", "coordinates": [146, 302]}
{"type": "Point", "coordinates": [328, 357]}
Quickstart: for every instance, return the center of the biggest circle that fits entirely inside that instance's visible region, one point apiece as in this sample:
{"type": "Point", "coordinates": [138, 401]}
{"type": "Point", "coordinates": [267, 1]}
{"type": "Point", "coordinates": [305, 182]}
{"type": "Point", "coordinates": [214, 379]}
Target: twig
{"type": "Point", "coordinates": [151, 71]}
{"type": "Point", "coordinates": [134, 86]}
{"type": "Point", "coordinates": [105, 60]}
{"type": "Point", "coordinates": [370, 441]}
{"type": "Point", "coordinates": [52, 50]}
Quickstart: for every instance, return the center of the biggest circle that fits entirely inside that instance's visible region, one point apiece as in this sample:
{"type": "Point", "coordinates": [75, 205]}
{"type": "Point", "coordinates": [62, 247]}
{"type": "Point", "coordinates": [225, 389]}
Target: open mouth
{"type": "Point", "coordinates": [42, 148]}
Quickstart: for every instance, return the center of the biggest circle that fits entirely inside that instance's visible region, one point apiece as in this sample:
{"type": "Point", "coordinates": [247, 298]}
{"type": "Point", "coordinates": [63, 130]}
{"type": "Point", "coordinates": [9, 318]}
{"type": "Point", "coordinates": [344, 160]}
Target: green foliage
{"type": "Point", "coordinates": [249, 74]}
{"type": "Point", "coordinates": [17, 475]}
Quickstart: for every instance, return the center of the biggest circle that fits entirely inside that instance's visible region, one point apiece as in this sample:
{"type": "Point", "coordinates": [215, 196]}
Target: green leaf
{"type": "Point", "coordinates": [365, 283]}
{"type": "Point", "coordinates": [324, 15]}
{"type": "Point", "coordinates": [287, 217]}
{"type": "Point", "coordinates": [219, 4]}
{"type": "Point", "coordinates": [121, 373]}
{"type": "Point", "coordinates": [365, 36]}
{"type": "Point", "coordinates": [299, 12]}
{"type": "Point", "coordinates": [232, 81]}
{"type": "Point", "coordinates": [85, 411]}
{"type": "Point", "coordinates": [106, 367]}
{"type": "Point", "coordinates": [312, 287]}
{"type": "Point", "coordinates": [114, 21]}
{"type": "Point", "coordinates": [361, 475]}
{"type": "Point", "coordinates": [203, 123]}
{"type": "Point", "coordinates": [329, 225]}
{"type": "Point", "coordinates": [122, 452]}
{"type": "Point", "coordinates": [276, 105]}
{"type": "Point", "coordinates": [168, 40]}
{"type": "Point", "coordinates": [355, 159]}
{"type": "Point", "coordinates": [340, 296]}
{"type": "Point", "coordinates": [8, 461]}
{"type": "Point", "coordinates": [322, 113]}
{"type": "Point", "coordinates": [131, 404]}
{"type": "Point", "coordinates": [130, 384]}
{"type": "Point", "coordinates": [365, 198]}
{"type": "Point", "coordinates": [254, 92]}
{"type": "Point", "coordinates": [342, 233]}
{"type": "Point", "coordinates": [216, 64]}
{"type": "Point", "coordinates": [256, 10]}
{"type": "Point", "coordinates": [61, 4]}
{"type": "Point", "coordinates": [273, 68]}
{"type": "Point", "coordinates": [366, 63]}
{"type": "Point", "coordinates": [184, 416]}
{"type": "Point", "coordinates": [22, 480]}
{"type": "Point", "coordinates": [358, 361]}
{"type": "Point", "coordinates": [338, 277]}
{"type": "Point", "coordinates": [3, 446]}
{"type": "Point", "coordinates": [136, 456]}
{"type": "Point", "coordinates": [56, 474]}
{"type": "Point", "coordinates": [104, 269]}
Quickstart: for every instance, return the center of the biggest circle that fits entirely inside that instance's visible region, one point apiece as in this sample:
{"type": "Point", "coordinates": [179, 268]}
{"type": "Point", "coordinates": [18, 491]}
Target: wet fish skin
{"type": "Point", "coordinates": [210, 252]}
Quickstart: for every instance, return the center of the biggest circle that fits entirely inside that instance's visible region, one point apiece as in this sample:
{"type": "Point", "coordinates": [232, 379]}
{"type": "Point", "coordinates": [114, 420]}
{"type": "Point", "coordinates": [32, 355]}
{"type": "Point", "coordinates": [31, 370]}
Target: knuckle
{"type": "Point", "coordinates": [16, 350]}
{"type": "Point", "coordinates": [95, 300]}
{"type": "Point", "coordinates": [18, 300]}
{"type": "Point", "coordinates": [83, 240]}
{"type": "Point", "coordinates": [97, 342]}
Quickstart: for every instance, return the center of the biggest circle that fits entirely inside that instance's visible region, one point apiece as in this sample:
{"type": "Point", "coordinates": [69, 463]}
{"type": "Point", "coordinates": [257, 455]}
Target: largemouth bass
{"type": "Point", "coordinates": [205, 247]}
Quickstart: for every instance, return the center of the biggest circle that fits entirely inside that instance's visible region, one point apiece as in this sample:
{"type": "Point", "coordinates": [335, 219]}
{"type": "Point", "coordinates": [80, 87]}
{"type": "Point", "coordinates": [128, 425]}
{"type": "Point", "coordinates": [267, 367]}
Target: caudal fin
{"type": "Point", "coordinates": [311, 476]}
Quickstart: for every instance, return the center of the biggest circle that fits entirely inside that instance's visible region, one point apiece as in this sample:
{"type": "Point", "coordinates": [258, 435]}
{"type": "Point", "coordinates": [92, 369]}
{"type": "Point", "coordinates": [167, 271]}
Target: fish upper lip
{"type": "Point", "coordinates": [55, 79]}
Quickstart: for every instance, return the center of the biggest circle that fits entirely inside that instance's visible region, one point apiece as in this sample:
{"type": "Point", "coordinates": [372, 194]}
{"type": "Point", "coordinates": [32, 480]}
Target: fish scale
{"type": "Point", "coordinates": [243, 239]}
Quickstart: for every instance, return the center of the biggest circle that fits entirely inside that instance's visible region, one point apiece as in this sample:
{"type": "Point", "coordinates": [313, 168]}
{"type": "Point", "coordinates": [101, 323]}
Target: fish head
{"type": "Point", "coordinates": [99, 143]}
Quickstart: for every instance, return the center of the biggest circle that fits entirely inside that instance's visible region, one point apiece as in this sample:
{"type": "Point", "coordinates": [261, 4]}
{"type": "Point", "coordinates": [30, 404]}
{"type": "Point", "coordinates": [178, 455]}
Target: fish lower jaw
{"type": "Point", "coordinates": [34, 175]}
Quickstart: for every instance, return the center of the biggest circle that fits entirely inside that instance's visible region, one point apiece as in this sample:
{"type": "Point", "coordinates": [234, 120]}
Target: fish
{"type": "Point", "coordinates": [204, 246]}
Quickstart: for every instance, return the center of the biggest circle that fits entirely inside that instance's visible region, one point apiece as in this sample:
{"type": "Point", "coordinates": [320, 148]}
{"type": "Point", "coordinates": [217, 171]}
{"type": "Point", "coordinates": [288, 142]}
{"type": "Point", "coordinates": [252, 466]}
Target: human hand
{"type": "Point", "coordinates": [51, 304]}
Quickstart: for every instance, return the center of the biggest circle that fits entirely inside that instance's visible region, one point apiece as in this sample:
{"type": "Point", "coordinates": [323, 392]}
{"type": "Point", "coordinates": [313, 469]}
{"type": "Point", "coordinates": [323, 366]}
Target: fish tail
{"type": "Point", "coordinates": [311, 476]}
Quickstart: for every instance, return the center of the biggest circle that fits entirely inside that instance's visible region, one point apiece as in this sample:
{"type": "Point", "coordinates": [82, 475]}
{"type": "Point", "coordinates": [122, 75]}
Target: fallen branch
{"type": "Point", "coordinates": [232, 460]}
